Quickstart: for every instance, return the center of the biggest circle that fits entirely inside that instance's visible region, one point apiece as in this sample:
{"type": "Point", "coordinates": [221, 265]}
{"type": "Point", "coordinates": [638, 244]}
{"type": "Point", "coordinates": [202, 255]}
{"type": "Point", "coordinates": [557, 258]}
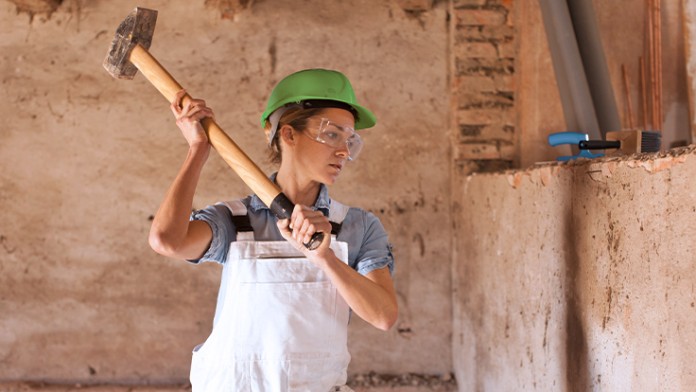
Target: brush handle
{"type": "Point", "coordinates": [598, 144]}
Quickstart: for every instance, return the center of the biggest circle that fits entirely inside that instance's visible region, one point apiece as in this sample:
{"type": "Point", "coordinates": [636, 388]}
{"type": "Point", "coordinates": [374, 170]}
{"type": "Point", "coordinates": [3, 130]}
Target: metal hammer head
{"type": "Point", "coordinates": [137, 28]}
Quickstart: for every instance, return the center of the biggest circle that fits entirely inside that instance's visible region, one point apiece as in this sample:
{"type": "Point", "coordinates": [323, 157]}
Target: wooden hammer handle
{"type": "Point", "coordinates": [239, 161]}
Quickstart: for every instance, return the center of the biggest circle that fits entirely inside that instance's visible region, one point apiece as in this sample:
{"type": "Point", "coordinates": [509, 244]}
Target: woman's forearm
{"type": "Point", "coordinates": [169, 234]}
{"type": "Point", "coordinates": [371, 297]}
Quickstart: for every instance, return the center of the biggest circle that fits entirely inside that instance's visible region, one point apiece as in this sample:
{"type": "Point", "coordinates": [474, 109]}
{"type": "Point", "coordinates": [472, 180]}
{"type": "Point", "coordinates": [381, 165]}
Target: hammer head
{"type": "Point", "coordinates": [137, 28]}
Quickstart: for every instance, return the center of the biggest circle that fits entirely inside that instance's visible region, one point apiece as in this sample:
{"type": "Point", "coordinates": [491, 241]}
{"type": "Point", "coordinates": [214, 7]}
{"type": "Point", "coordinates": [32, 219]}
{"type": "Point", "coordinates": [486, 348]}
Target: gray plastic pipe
{"type": "Point", "coordinates": [576, 99]}
{"type": "Point", "coordinates": [594, 61]}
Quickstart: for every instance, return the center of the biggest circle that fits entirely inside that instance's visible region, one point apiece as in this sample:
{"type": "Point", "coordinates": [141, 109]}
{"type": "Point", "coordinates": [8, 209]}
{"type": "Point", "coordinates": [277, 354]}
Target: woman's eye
{"type": "Point", "coordinates": [353, 140]}
{"type": "Point", "coordinates": [332, 135]}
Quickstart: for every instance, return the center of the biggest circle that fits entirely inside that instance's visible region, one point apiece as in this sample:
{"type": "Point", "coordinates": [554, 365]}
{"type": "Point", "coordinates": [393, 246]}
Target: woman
{"type": "Point", "coordinates": [282, 311]}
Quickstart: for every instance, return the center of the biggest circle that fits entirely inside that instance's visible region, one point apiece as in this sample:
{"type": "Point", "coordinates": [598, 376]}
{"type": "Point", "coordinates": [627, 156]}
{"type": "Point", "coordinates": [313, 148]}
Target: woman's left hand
{"type": "Point", "coordinates": [303, 223]}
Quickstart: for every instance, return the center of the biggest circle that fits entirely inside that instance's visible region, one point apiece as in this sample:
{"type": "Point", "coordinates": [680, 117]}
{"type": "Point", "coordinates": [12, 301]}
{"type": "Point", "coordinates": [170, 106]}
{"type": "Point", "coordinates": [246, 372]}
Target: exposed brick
{"type": "Point", "coordinates": [508, 4]}
{"type": "Point", "coordinates": [489, 84]}
{"type": "Point", "coordinates": [494, 34]}
{"type": "Point", "coordinates": [476, 50]}
{"type": "Point", "coordinates": [471, 131]}
{"type": "Point", "coordinates": [476, 133]}
{"type": "Point", "coordinates": [468, 3]}
{"type": "Point", "coordinates": [486, 116]}
{"type": "Point", "coordinates": [484, 83]}
{"type": "Point", "coordinates": [484, 100]}
{"type": "Point", "coordinates": [505, 83]}
{"type": "Point", "coordinates": [469, 34]}
{"type": "Point", "coordinates": [485, 151]}
{"type": "Point", "coordinates": [506, 49]}
{"type": "Point", "coordinates": [464, 168]}
{"type": "Point", "coordinates": [475, 17]}
{"type": "Point", "coordinates": [484, 67]}
{"type": "Point", "coordinates": [466, 84]}
{"type": "Point", "coordinates": [493, 165]}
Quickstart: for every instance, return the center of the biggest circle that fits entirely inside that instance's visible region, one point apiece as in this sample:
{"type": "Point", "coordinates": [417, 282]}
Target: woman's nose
{"type": "Point", "coordinates": [343, 151]}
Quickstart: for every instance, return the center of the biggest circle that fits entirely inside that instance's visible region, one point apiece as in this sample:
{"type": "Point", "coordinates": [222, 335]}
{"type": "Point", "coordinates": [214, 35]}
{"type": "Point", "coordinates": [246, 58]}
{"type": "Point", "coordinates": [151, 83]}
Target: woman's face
{"type": "Point", "coordinates": [320, 161]}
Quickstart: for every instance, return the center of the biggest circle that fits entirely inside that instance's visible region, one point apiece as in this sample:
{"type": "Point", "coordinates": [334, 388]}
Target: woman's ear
{"type": "Point", "coordinates": [287, 134]}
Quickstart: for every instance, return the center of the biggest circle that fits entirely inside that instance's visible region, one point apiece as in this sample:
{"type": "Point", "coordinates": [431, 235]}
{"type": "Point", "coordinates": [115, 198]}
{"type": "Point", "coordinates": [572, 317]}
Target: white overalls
{"type": "Point", "coordinates": [280, 324]}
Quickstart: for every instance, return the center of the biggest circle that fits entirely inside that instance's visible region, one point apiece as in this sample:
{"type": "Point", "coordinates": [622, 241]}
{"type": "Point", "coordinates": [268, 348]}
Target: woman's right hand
{"type": "Point", "coordinates": [188, 119]}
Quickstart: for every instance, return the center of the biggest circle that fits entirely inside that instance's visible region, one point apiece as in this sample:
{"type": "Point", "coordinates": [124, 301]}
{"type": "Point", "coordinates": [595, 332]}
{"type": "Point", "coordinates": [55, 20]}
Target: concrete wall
{"type": "Point", "coordinates": [86, 159]}
{"type": "Point", "coordinates": [538, 302]}
{"type": "Point", "coordinates": [578, 276]}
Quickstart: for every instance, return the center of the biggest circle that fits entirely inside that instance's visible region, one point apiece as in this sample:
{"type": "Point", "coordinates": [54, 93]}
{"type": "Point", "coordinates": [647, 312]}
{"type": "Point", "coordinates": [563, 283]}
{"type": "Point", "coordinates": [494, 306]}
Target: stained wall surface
{"type": "Point", "coordinates": [578, 276]}
{"type": "Point", "coordinates": [85, 160]}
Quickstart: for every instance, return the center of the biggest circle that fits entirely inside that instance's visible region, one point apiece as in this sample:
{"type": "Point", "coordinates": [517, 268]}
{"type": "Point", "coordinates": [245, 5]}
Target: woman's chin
{"type": "Point", "coordinates": [330, 179]}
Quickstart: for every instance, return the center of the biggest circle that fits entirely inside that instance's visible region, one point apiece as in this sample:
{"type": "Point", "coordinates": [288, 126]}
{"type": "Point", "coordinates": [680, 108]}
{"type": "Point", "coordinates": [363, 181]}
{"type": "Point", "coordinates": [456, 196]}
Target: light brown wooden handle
{"type": "Point", "coordinates": [230, 152]}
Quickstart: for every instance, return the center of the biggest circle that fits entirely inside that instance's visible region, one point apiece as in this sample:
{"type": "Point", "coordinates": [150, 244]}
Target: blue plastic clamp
{"type": "Point", "coordinates": [572, 138]}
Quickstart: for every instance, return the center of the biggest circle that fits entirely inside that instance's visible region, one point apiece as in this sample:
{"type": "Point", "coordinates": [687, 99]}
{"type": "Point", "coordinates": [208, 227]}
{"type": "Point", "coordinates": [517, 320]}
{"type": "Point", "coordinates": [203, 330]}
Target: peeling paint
{"type": "Point", "coordinates": [548, 173]}
{"type": "Point", "coordinates": [657, 165]}
{"type": "Point", "coordinates": [515, 179]}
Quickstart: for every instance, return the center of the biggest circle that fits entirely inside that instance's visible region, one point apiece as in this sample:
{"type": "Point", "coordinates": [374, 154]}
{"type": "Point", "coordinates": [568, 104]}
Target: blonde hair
{"type": "Point", "coordinates": [295, 117]}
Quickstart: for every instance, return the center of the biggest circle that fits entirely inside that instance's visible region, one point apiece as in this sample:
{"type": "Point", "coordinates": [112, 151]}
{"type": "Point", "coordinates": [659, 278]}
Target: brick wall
{"type": "Point", "coordinates": [483, 62]}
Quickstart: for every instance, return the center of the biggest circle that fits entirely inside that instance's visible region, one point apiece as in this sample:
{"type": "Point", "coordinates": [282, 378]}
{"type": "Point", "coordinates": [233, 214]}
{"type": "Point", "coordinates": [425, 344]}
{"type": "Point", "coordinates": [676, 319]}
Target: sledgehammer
{"type": "Point", "coordinates": [129, 53]}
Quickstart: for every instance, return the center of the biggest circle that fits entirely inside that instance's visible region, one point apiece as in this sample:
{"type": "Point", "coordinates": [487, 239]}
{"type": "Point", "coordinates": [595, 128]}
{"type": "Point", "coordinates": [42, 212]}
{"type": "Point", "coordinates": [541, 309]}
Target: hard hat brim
{"type": "Point", "coordinates": [366, 119]}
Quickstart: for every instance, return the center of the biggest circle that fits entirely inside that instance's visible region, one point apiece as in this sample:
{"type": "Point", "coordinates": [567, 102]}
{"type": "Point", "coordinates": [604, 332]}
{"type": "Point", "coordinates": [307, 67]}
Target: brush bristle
{"type": "Point", "coordinates": [650, 141]}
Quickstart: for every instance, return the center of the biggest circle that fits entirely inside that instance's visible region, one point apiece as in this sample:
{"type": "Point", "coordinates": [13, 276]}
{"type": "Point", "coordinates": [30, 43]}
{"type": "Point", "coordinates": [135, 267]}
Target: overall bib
{"type": "Point", "coordinates": [280, 324]}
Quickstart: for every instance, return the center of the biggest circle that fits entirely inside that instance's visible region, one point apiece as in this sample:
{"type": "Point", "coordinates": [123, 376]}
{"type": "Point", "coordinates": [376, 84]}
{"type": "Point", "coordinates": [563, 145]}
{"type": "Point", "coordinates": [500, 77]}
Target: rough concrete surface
{"type": "Point", "coordinates": [578, 276]}
{"type": "Point", "coordinates": [86, 159]}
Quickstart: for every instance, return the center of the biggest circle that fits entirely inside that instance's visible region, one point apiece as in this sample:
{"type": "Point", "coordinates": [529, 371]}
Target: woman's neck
{"type": "Point", "coordinates": [298, 189]}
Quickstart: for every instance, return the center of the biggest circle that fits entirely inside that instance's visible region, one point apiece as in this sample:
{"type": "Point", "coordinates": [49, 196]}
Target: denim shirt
{"type": "Point", "coordinates": [368, 245]}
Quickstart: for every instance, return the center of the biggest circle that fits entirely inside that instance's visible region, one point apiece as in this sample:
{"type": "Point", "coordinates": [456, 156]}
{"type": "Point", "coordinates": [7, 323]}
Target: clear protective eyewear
{"type": "Point", "coordinates": [337, 136]}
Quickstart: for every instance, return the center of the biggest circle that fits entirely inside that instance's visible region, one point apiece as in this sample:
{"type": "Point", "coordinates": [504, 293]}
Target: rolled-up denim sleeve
{"type": "Point", "coordinates": [219, 218]}
{"type": "Point", "coordinates": [376, 251]}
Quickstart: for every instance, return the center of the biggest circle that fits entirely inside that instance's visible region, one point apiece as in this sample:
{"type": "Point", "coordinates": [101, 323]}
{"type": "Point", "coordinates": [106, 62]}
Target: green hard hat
{"type": "Point", "coordinates": [317, 85]}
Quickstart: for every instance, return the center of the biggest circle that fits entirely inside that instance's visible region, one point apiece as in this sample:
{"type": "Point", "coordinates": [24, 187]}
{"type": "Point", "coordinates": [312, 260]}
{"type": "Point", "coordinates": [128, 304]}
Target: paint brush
{"type": "Point", "coordinates": [625, 142]}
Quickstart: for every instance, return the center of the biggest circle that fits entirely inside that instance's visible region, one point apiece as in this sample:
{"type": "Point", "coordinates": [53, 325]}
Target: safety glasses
{"type": "Point", "coordinates": [336, 136]}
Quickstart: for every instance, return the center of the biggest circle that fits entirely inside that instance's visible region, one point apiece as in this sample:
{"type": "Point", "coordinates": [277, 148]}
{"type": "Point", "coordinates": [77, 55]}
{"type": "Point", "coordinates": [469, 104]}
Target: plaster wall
{"type": "Point", "coordinates": [85, 160]}
{"type": "Point", "coordinates": [578, 276]}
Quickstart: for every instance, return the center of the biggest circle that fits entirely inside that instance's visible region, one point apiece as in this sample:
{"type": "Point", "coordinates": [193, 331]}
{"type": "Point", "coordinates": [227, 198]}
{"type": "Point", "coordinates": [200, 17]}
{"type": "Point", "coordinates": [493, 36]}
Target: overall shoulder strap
{"type": "Point", "coordinates": [337, 213]}
{"type": "Point", "coordinates": [240, 215]}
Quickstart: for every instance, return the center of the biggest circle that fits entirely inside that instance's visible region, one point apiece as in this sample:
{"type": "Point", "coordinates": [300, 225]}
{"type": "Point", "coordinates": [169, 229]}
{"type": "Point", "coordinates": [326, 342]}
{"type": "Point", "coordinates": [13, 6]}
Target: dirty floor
{"type": "Point", "coordinates": [360, 383]}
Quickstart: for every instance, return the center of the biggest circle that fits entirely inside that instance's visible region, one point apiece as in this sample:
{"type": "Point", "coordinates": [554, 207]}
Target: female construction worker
{"type": "Point", "coordinates": [282, 309]}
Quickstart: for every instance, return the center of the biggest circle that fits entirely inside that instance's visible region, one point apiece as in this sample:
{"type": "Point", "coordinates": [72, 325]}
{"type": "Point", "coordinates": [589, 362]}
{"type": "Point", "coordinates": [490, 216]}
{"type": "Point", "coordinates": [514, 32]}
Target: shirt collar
{"type": "Point", "coordinates": [322, 202]}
